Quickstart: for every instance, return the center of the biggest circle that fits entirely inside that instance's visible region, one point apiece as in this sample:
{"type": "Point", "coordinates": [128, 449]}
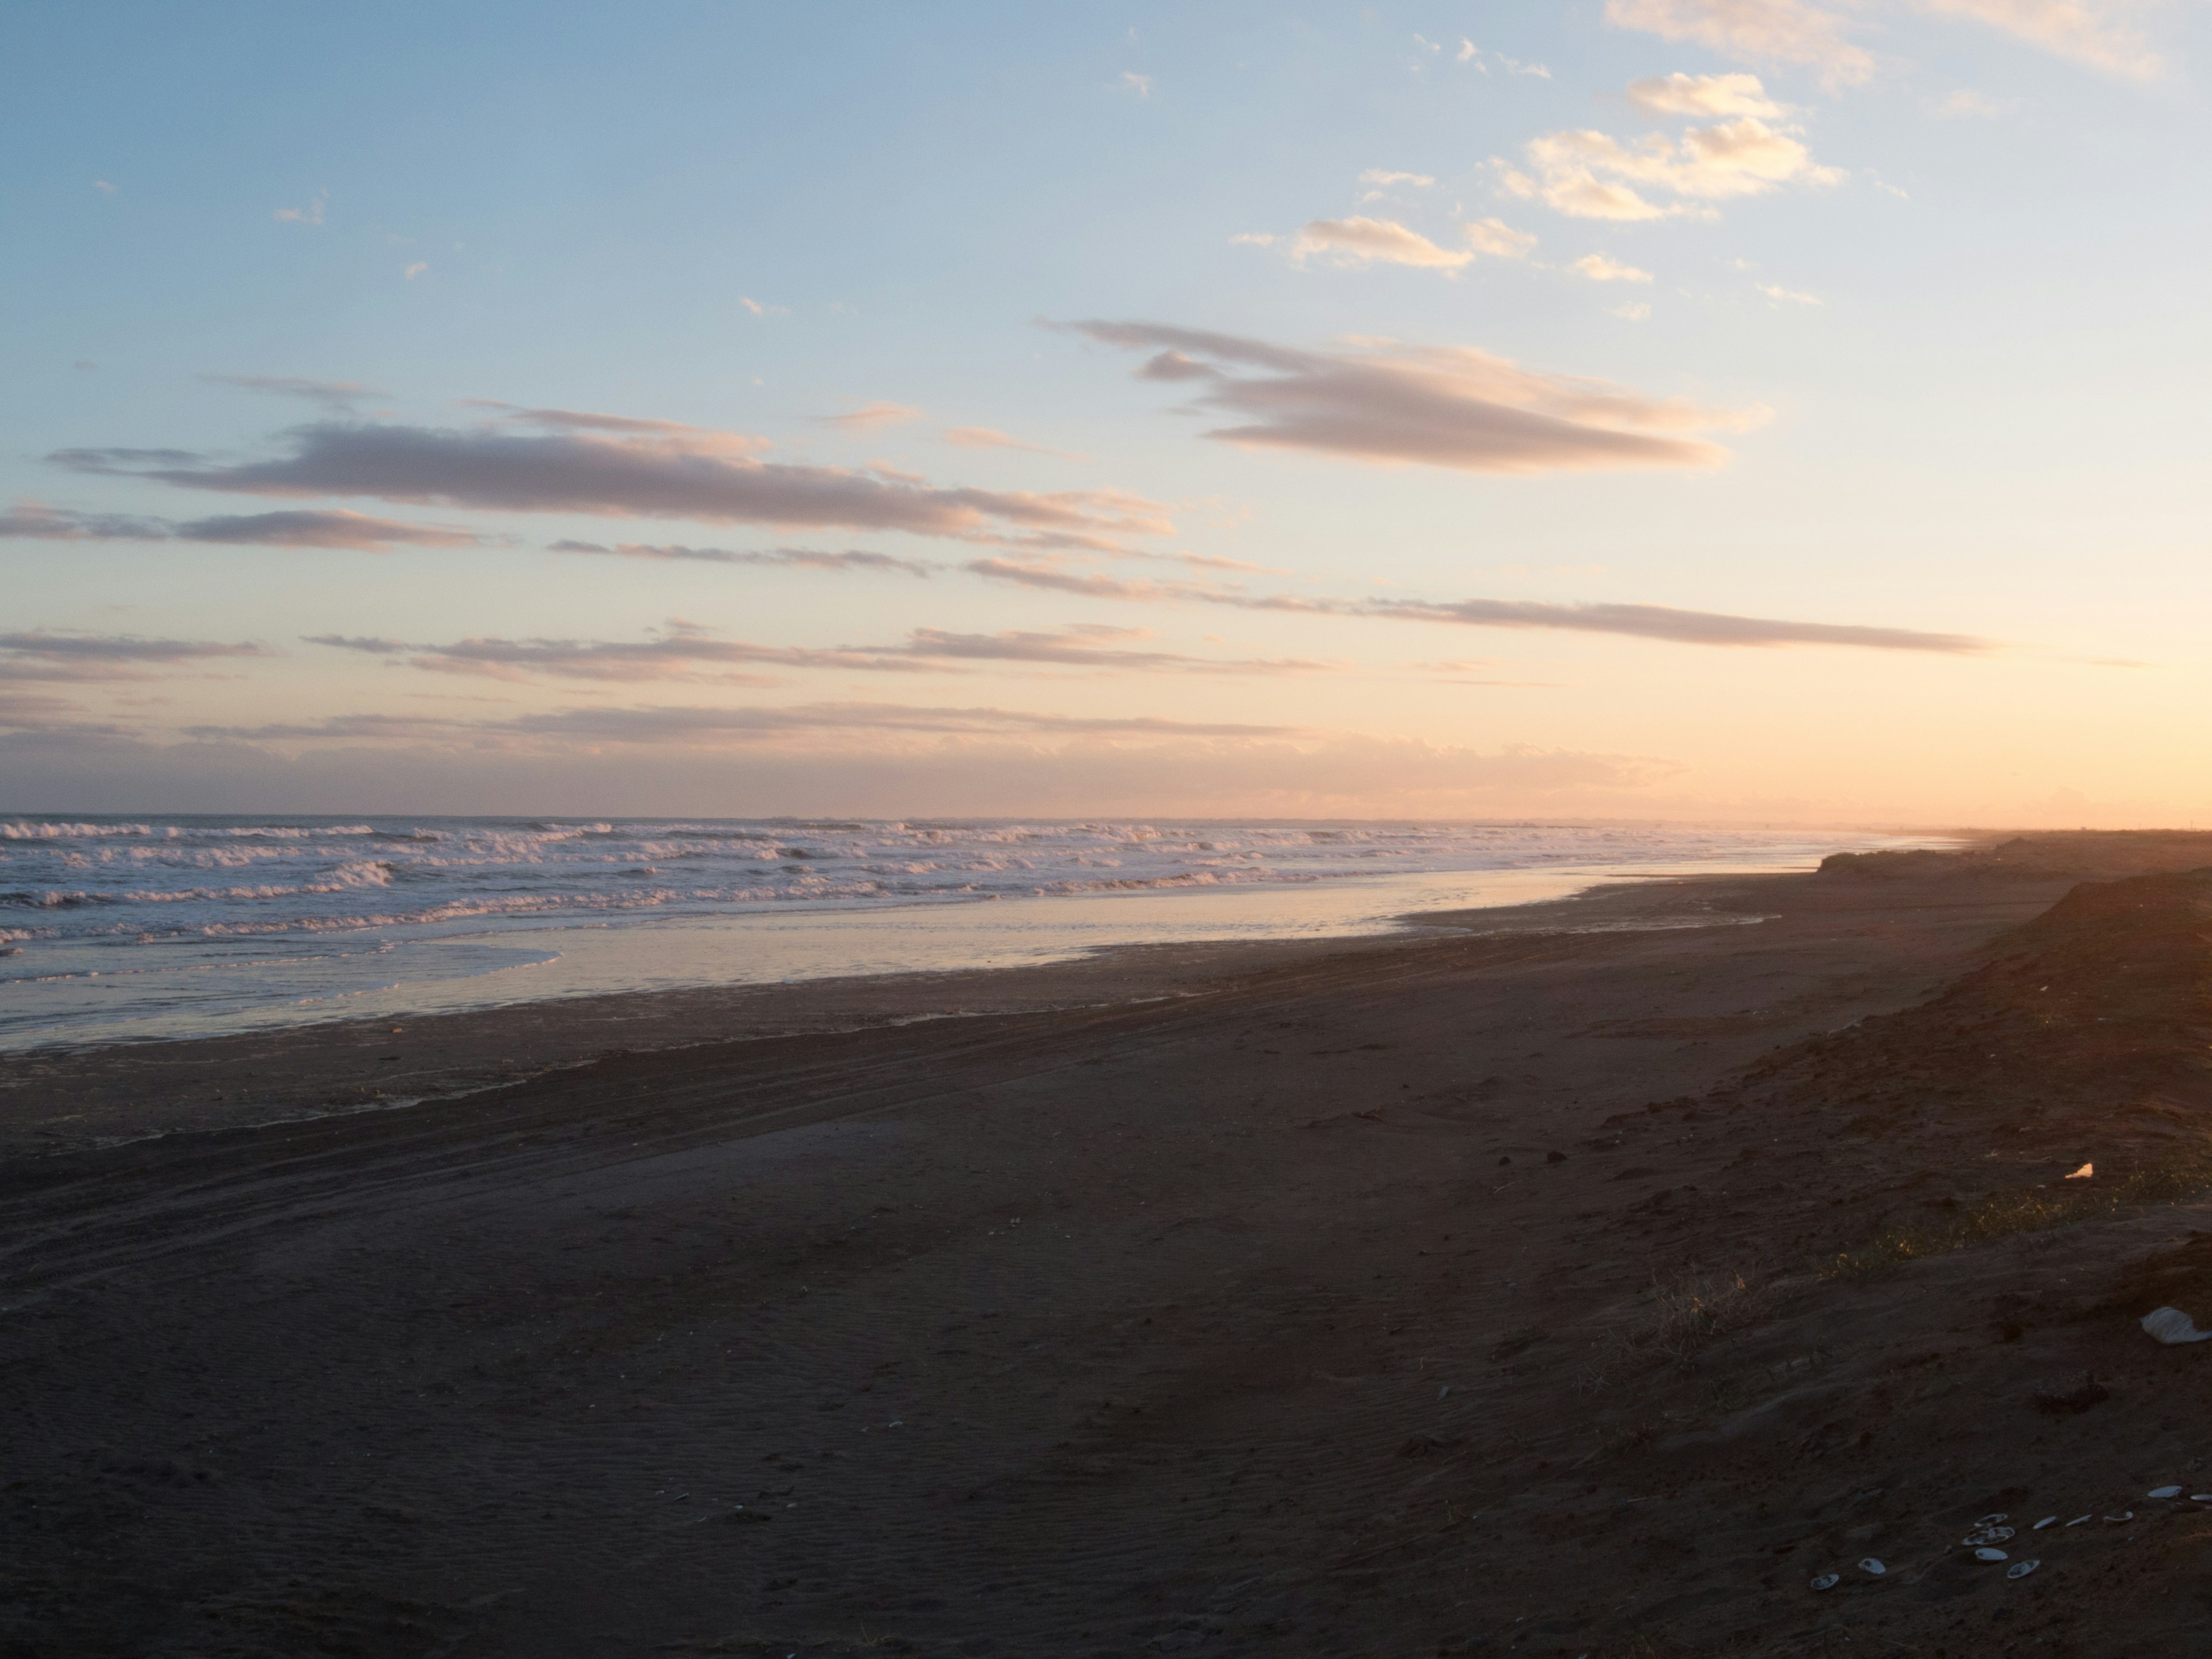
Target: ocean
{"type": "Point", "coordinates": [120, 928]}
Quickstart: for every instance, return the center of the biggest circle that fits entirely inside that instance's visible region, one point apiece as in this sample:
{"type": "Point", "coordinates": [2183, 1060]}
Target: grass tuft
{"type": "Point", "coordinates": [2181, 1176]}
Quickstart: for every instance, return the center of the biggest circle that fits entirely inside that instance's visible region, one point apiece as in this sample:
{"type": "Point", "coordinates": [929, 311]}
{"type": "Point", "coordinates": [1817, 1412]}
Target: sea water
{"type": "Point", "coordinates": [115, 929]}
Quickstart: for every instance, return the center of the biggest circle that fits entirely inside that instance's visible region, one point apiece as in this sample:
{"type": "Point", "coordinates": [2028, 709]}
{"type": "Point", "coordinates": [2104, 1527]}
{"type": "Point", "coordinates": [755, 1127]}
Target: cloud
{"type": "Point", "coordinates": [1382, 182]}
{"type": "Point", "coordinates": [615, 466]}
{"type": "Point", "coordinates": [310, 214]}
{"type": "Point", "coordinates": [103, 187]}
{"type": "Point", "coordinates": [1794, 295]}
{"type": "Point", "coordinates": [1966, 101]}
{"type": "Point", "coordinates": [687, 651]}
{"type": "Point", "coordinates": [1788, 32]}
{"type": "Point", "coordinates": [413, 270]}
{"type": "Point", "coordinates": [1449, 406]}
{"type": "Point", "coordinates": [984, 437]}
{"type": "Point", "coordinates": [682, 652]}
{"type": "Point", "coordinates": [1140, 84]}
{"type": "Point", "coordinates": [1361, 241]}
{"type": "Point", "coordinates": [1602, 268]}
{"type": "Point", "coordinates": [848, 768]}
{"type": "Point", "coordinates": [44, 654]}
{"type": "Point", "coordinates": [1087, 648]}
{"type": "Point", "coordinates": [338, 396]}
{"type": "Point", "coordinates": [1635, 311]}
{"type": "Point", "coordinates": [329, 528]}
{"type": "Point", "coordinates": [718, 727]}
{"type": "Point", "coordinates": [868, 416]}
{"type": "Point", "coordinates": [1498, 239]}
{"type": "Point", "coordinates": [1651, 621]}
{"type": "Point", "coordinates": [1704, 95]}
{"type": "Point", "coordinates": [760, 310]}
{"type": "Point", "coordinates": [1658, 621]}
{"type": "Point", "coordinates": [2102, 34]}
{"type": "Point", "coordinates": [802, 558]}
{"type": "Point", "coordinates": [1591, 175]}
{"type": "Point", "coordinates": [1469, 52]}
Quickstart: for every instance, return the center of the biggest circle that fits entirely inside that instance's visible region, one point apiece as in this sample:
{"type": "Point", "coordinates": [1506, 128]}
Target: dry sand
{"type": "Point", "coordinates": [1580, 1285]}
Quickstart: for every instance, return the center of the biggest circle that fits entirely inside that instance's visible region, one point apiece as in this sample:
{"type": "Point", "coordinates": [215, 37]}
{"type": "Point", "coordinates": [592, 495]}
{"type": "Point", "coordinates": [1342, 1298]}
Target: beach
{"type": "Point", "coordinates": [1581, 1277]}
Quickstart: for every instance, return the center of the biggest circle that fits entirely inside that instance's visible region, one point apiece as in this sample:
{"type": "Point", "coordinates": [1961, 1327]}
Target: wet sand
{"type": "Point", "coordinates": [1579, 1285]}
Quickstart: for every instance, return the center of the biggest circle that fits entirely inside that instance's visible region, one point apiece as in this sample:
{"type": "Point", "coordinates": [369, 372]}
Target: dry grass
{"type": "Point", "coordinates": [2180, 1176]}
{"type": "Point", "coordinates": [1673, 1323]}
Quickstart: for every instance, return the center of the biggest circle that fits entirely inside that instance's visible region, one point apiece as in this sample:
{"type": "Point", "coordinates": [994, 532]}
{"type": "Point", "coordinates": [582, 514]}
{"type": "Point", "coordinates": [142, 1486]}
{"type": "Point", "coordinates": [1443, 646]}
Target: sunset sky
{"type": "Point", "coordinates": [1719, 409]}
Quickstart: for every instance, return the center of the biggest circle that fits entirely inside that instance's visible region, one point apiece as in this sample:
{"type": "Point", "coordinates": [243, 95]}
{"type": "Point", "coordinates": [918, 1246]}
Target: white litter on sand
{"type": "Point", "coordinates": [2083, 1173]}
{"type": "Point", "coordinates": [2172, 1326]}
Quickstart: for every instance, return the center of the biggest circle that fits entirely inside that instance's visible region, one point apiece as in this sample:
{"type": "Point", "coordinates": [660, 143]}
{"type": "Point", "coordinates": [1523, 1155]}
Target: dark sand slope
{"type": "Point", "coordinates": [1216, 1325]}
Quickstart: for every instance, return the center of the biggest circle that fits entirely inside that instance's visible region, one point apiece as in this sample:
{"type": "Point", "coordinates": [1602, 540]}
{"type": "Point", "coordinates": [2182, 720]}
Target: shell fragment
{"type": "Point", "coordinates": [1985, 1553]}
{"type": "Point", "coordinates": [1872, 1568]}
{"type": "Point", "coordinates": [2047, 1519]}
{"type": "Point", "coordinates": [1827, 1581]}
{"type": "Point", "coordinates": [2166, 1491]}
{"type": "Point", "coordinates": [2021, 1568]}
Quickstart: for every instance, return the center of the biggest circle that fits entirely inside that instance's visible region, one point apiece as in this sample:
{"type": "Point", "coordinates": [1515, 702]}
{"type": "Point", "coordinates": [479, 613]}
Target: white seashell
{"type": "Point", "coordinates": [2078, 1519]}
{"type": "Point", "coordinates": [1827, 1581]}
{"type": "Point", "coordinates": [2166, 1491]}
{"type": "Point", "coordinates": [2124, 1515]}
{"type": "Point", "coordinates": [1872, 1566]}
{"type": "Point", "coordinates": [2021, 1568]}
{"type": "Point", "coordinates": [1987, 1554]}
{"type": "Point", "coordinates": [2083, 1173]}
{"type": "Point", "coordinates": [2200, 1497]}
{"type": "Point", "coordinates": [1996, 1519]}
{"type": "Point", "coordinates": [2045, 1522]}
{"type": "Point", "coordinates": [2172, 1326]}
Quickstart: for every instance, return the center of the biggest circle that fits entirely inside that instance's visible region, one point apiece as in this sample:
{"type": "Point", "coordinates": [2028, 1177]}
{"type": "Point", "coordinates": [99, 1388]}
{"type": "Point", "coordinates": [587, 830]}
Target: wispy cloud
{"type": "Point", "coordinates": [687, 651]}
{"type": "Point", "coordinates": [868, 416]}
{"type": "Point", "coordinates": [1704, 95]}
{"type": "Point", "coordinates": [801, 558]}
{"type": "Point", "coordinates": [2101, 34]}
{"type": "Point", "coordinates": [1140, 84]}
{"type": "Point", "coordinates": [617, 466]}
{"type": "Point", "coordinates": [1785, 31]}
{"type": "Point", "coordinates": [103, 187]}
{"type": "Point", "coordinates": [1449, 406]}
{"type": "Point", "coordinates": [1794, 296]}
{"type": "Point", "coordinates": [1651, 622]}
{"type": "Point", "coordinates": [1361, 241]}
{"type": "Point", "coordinates": [712, 727]}
{"type": "Point", "coordinates": [1588, 174]}
{"type": "Point", "coordinates": [66, 654]}
{"type": "Point", "coordinates": [1383, 179]}
{"type": "Point", "coordinates": [339, 397]}
{"type": "Point", "coordinates": [761, 310]}
{"type": "Point", "coordinates": [413, 270]}
{"type": "Point", "coordinates": [1966, 101]}
{"type": "Point", "coordinates": [327, 528]}
{"type": "Point", "coordinates": [310, 214]}
{"type": "Point", "coordinates": [1471, 54]}
{"type": "Point", "coordinates": [1603, 268]}
{"type": "Point", "coordinates": [984, 437]}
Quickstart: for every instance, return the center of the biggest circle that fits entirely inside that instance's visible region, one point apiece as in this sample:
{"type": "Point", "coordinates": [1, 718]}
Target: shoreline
{"type": "Point", "coordinates": [318, 1068]}
{"type": "Point", "coordinates": [1572, 1284]}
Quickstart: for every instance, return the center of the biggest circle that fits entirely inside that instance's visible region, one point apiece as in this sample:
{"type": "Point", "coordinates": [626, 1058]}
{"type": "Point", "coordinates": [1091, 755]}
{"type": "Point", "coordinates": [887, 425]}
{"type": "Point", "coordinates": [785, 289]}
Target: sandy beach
{"type": "Point", "coordinates": [1590, 1281]}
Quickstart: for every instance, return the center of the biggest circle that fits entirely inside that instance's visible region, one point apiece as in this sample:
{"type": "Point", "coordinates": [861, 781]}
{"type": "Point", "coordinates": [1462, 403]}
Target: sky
{"type": "Point", "coordinates": [1754, 410]}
